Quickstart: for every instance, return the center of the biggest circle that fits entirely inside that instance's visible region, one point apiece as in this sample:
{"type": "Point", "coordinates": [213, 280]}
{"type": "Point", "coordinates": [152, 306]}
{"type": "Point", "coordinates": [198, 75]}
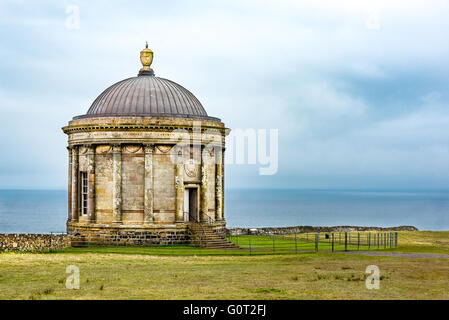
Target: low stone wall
{"type": "Point", "coordinates": [33, 242]}
{"type": "Point", "coordinates": [145, 235]}
{"type": "Point", "coordinates": [83, 235]}
{"type": "Point", "coordinates": [305, 229]}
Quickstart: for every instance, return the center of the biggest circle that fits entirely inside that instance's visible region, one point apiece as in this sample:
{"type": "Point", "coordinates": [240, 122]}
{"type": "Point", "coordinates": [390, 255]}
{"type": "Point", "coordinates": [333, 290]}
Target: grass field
{"type": "Point", "coordinates": [261, 245]}
{"type": "Point", "coordinates": [424, 242]}
{"type": "Point", "coordinates": [305, 242]}
{"type": "Point", "coordinates": [137, 273]}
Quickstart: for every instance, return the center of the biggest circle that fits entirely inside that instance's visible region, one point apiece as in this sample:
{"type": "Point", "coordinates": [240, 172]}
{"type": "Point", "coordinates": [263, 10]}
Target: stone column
{"type": "Point", "coordinates": [117, 182]}
{"type": "Point", "coordinates": [148, 199]}
{"type": "Point", "coordinates": [179, 185]}
{"type": "Point", "coordinates": [91, 183]}
{"type": "Point", "coordinates": [203, 196]}
{"type": "Point", "coordinates": [74, 186]}
{"type": "Point", "coordinates": [69, 186]}
{"type": "Point", "coordinates": [223, 184]}
{"type": "Point", "coordinates": [219, 185]}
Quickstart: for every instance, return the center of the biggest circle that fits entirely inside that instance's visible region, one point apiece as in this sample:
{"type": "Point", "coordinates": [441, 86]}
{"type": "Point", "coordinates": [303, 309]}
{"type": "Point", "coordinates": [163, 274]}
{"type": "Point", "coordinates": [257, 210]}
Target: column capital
{"type": "Point", "coordinates": [90, 148]}
{"type": "Point", "coordinates": [218, 156]}
{"type": "Point", "coordinates": [75, 154]}
{"type": "Point", "coordinates": [148, 147]}
{"type": "Point", "coordinates": [116, 148]}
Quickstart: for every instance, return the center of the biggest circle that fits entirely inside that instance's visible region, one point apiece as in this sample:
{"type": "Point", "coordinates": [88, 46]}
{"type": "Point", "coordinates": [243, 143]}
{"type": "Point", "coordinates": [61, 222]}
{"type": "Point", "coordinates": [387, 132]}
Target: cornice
{"type": "Point", "coordinates": [139, 127]}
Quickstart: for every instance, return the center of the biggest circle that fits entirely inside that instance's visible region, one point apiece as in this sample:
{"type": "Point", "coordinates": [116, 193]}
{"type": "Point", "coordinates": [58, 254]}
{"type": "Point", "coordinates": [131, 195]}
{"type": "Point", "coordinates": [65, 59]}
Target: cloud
{"type": "Point", "coordinates": [349, 101]}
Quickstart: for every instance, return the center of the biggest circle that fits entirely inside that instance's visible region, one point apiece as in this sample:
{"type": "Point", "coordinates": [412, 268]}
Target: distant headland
{"type": "Point", "coordinates": [304, 229]}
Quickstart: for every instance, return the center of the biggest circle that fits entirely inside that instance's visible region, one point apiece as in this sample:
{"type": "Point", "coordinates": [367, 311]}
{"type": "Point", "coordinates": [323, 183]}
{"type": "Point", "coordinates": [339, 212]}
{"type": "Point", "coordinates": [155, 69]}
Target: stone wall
{"type": "Point", "coordinates": [146, 235]}
{"type": "Point", "coordinates": [164, 184]}
{"type": "Point", "coordinates": [132, 184]}
{"type": "Point", "coordinates": [305, 229]}
{"type": "Point", "coordinates": [103, 184]}
{"type": "Point", "coordinates": [152, 235]}
{"type": "Point", "coordinates": [33, 242]}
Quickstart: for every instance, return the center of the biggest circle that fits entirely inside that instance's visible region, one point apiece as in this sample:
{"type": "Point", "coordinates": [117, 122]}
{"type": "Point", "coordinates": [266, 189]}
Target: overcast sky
{"type": "Point", "coordinates": [358, 89]}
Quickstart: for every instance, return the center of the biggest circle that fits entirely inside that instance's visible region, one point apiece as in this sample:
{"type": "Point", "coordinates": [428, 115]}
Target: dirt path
{"type": "Point", "coordinates": [399, 254]}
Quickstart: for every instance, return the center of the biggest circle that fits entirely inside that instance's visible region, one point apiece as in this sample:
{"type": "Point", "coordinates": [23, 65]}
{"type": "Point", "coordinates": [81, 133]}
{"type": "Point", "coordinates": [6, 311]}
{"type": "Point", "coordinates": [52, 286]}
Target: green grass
{"type": "Point", "coordinates": [306, 242]}
{"type": "Point", "coordinates": [423, 242]}
{"type": "Point", "coordinates": [249, 245]}
{"type": "Point", "coordinates": [154, 251]}
{"type": "Point", "coordinates": [135, 276]}
{"type": "Point", "coordinates": [149, 273]}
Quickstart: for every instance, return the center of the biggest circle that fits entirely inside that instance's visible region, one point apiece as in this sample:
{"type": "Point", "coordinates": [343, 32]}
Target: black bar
{"type": "Point", "coordinates": [346, 241]}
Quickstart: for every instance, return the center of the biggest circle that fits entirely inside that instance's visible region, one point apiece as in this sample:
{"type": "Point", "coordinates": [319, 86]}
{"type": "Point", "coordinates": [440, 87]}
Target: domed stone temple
{"type": "Point", "coordinates": [146, 164]}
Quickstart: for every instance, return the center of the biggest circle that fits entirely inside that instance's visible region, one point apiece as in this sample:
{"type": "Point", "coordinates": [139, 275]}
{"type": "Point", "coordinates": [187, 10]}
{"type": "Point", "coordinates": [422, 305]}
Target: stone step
{"type": "Point", "coordinates": [211, 238]}
{"type": "Point", "coordinates": [207, 238]}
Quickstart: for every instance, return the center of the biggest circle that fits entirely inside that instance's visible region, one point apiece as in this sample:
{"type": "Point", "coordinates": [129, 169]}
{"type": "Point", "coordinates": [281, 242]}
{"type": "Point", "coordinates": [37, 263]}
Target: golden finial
{"type": "Point", "coordinates": [146, 57]}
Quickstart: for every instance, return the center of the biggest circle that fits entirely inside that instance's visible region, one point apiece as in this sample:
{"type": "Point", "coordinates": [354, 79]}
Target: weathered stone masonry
{"type": "Point", "coordinates": [15, 242]}
{"type": "Point", "coordinates": [130, 178]}
{"type": "Point", "coordinates": [125, 188]}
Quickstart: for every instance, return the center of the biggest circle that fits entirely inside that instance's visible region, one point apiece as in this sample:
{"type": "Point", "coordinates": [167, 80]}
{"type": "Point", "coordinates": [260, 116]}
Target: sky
{"type": "Point", "coordinates": [358, 90]}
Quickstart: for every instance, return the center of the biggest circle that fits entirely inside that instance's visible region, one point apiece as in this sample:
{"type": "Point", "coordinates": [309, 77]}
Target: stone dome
{"type": "Point", "coordinates": [147, 96]}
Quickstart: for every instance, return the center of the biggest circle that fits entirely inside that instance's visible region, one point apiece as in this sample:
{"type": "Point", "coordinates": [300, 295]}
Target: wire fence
{"type": "Point", "coordinates": [306, 242]}
{"type": "Point", "coordinates": [249, 244]}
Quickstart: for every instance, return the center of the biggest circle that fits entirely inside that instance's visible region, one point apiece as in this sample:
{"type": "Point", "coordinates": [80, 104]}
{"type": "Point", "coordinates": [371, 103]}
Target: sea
{"type": "Point", "coordinates": [45, 211]}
